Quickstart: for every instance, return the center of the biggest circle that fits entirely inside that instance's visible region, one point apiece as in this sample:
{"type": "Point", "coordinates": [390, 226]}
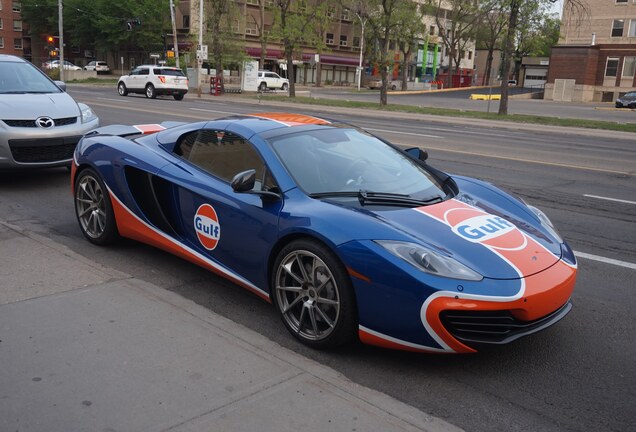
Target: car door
{"type": "Point", "coordinates": [273, 80]}
{"type": "Point", "coordinates": [236, 230]}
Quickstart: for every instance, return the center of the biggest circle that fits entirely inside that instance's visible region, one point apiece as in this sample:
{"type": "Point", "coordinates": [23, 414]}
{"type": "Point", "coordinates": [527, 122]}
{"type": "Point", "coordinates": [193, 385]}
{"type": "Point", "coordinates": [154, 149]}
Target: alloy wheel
{"type": "Point", "coordinates": [91, 207]}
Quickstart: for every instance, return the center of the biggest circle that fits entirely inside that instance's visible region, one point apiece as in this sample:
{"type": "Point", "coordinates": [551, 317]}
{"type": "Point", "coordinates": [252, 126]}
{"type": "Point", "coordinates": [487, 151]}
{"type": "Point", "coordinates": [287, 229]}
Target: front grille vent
{"type": "Point", "coordinates": [31, 123]}
{"type": "Point", "coordinates": [495, 327]}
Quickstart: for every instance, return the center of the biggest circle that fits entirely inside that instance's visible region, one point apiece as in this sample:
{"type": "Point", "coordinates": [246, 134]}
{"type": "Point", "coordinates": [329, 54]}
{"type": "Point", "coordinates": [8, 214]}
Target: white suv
{"type": "Point", "coordinates": [271, 80]}
{"type": "Point", "coordinates": [98, 66]}
{"type": "Point", "coordinates": [154, 80]}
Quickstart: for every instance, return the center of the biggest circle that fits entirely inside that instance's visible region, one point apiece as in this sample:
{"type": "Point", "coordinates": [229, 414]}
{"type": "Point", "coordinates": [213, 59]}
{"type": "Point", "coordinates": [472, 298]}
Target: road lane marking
{"type": "Point", "coordinates": [610, 199]}
{"type": "Point", "coordinates": [605, 260]}
{"type": "Point", "coordinates": [110, 99]}
{"type": "Point", "coordinates": [532, 161]}
{"type": "Point", "coordinates": [403, 133]}
{"type": "Point", "coordinates": [217, 112]}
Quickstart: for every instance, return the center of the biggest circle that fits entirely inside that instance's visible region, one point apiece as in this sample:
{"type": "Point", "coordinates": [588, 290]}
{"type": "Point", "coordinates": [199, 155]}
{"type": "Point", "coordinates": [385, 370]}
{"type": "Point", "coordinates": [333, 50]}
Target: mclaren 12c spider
{"type": "Point", "coordinates": [349, 236]}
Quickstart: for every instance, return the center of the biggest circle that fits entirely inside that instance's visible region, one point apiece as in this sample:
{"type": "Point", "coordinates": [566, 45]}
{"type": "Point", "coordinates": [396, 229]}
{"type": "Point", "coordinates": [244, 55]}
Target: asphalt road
{"type": "Point", "coordinates": [578, 375]}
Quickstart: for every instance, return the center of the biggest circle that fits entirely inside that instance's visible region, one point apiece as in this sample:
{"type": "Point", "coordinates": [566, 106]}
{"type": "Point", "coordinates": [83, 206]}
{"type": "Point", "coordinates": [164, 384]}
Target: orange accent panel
{"type": "Point", "coordinates": [292, 119]}
{"type": "Point", "coordinates": [149, 128]}
{"type": "Point", "coordinates": [357, 275]}
{"type": "Point", "coordinates": [73, 171]}
{"type": "Point", "coordinates": [371, 339]}
{"type": "Point", "coordinates": [132, 228]}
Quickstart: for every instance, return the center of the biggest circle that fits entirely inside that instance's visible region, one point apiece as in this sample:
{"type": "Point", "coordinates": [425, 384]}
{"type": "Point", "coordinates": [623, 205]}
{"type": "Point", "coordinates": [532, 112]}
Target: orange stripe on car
{"type": "Point", "coordinates": [291, 119]}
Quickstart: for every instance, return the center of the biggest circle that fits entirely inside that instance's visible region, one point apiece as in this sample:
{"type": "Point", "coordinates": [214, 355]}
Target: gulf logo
{"type": "Point", "coordinates": [480, 227]}
{"type": "Point", "coordinates": [207, 227]}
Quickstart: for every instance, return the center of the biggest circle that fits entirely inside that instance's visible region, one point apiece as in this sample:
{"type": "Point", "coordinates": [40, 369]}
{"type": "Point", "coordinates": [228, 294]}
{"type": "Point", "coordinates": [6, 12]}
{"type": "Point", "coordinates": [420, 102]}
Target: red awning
{"type": "Point", "coordinates": [271, 54]}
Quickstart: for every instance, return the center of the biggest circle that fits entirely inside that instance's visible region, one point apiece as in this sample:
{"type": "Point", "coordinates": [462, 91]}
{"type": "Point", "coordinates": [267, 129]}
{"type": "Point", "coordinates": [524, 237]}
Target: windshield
{"type": "Point", "coordinates": [19, 78]}
{"type": "Point", "coordinates": [339, 160]}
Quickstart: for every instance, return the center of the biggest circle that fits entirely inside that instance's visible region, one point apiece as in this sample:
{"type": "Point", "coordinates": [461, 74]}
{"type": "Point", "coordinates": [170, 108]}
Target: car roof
{"type": "Point", "coordinates": [11, 58]}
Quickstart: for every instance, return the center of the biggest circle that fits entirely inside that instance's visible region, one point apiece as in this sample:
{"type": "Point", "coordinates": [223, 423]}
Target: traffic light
{"type": "Point", "coordinates": [50, 40]}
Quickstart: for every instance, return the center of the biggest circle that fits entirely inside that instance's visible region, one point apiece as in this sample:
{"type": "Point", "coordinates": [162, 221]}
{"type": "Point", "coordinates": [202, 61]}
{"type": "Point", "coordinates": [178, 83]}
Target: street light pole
{"type": "Point", "coordinates": [363, 21]}
{"type": "Point", "coordinates": [60, 29]}
{"type": "Point", "coordinates": [174, 33]}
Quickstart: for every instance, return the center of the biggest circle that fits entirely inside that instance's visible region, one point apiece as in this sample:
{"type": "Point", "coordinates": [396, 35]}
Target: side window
{"type": "Point", "coordinates": [224, 155]}
{"type": "Point", "coordinates": [144, 72]}
{"type": "Point", "coordinates": [135, 72]}
{"type": "Point", "coordinates": [157, 71]}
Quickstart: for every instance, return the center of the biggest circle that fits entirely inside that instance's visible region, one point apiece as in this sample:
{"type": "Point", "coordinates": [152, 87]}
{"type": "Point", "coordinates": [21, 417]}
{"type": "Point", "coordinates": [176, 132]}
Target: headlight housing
{"type": "Point", "coordinates": [429, 260]}
{"type": "Point", "coordinates": [546, 222]}
{"type": "Point", "coordinates": [87, 113]}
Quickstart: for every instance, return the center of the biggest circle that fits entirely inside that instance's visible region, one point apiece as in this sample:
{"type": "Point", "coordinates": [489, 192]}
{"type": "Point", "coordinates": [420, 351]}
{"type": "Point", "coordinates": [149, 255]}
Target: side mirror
{"type": "Point", "coordinates": [61, 85]}
{"type": "Point", "coordinates": [418, 153]}
{"type": "Point", "coordinates": [244, 181]}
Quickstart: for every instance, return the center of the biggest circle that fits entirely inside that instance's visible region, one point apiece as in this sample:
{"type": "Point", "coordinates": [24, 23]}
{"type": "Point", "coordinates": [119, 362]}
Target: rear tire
{"type": "Point", "coordinates": [313, 294]}
{"type": "Point", "coordinates": [150, 92]}
{"type": "Point", "coordinates": [122, 90]}
{"type": "Point", "coordinates": [94, 210]}
{"type": "Point", "coordinates": [178, 96]}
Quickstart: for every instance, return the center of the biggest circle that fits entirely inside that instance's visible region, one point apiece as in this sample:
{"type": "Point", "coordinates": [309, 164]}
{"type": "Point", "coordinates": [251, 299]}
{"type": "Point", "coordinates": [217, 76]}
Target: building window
{"type": "Point", "coordinates": [1, 42]}
{"type": "Point", "coordinates": [17, 25]}
{"type": "Point", "coordinates": [621, 1]}
{"type": "Point", "coordinates": [17, 43]}
{"type": "Point", "coordinates": [632, 28]}
{"type": "Point", "coordinates": [252, 31]}
{"type": "Point", "coordinates": [612, 67]}
{"type": "Point", "coordinates": [1, 24]}
{"type": "Point", "coordinates": [331, 12]}
{"type": "Point", "coordinates": [252, 2]}
{"type": "Point", "coordinates": [343, 40]}
{"type": "Point", "coordinates": [186, 21]}
{"type": "Point", "coordinates": [329, 39]}
{"type": "Point", "coordinates": [617, 27]}
{"type": "Point", "coordinates": [470, 55]}
{"type": "Point", "coordinates": [345, 15]}
{"type": "Point", "coordinates": [432, 32]}
{"type": "Point", "coordinates": [17, 6]}
{"type": "Point", "coordinates": [356, 41]}
{"type": "Point", "coordinates": [629, 67]}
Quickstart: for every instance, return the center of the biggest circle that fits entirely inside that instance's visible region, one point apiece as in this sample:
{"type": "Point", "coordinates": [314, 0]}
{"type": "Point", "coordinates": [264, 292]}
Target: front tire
{"type": "Point", "coordinates": [122, 90]}
{"type": "Point", "coordinates": [94, 210]}
{"type": "Point", "coordinates": [263, 86]}
{"type": "Point", "coordinates": [150, 91]}
{"type": "Point", "coordinates": [285, 87]}
{"type": "Point", "coordinates": [178, 96]}
{"type": "Point", "coordinates": [313, 295]}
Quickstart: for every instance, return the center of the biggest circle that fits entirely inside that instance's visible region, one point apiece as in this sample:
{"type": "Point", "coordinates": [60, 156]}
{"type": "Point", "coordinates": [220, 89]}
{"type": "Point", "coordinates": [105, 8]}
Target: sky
{"type": "Point", "coordinates": [557, 7]}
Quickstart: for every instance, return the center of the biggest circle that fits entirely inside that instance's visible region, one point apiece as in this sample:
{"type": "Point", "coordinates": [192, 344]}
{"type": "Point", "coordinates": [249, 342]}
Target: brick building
{"type": "Point", "coordinates": [11, 39]}
{"type": "Point", "coordinates": [595, 59]}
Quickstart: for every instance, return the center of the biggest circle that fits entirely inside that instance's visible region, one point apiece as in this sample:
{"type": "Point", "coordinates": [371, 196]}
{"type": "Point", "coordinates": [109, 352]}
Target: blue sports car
{"type": "Point", "coordinates": [348, 236]}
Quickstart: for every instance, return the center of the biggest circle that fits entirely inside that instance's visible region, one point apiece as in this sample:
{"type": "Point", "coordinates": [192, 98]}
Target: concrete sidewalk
{"type": "Point", "coordinates": [88, 348]}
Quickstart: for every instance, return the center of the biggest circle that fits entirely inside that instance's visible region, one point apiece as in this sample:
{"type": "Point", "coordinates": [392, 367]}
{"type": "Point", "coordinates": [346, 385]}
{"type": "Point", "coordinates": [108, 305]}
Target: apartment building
{"type": "Point", "coordinates": [341, 57]}
{"type": "Point", "coordinates": [595, 59]}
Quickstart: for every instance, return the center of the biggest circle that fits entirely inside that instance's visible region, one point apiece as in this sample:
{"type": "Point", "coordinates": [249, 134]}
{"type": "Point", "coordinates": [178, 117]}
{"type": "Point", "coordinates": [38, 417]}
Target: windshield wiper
{"type": "Point", "coordinates": [381, 198]}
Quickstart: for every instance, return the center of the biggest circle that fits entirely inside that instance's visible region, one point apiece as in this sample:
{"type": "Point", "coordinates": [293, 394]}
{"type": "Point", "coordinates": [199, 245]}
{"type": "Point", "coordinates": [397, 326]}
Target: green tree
{"type": "Point", "coordinates": [410, 29]}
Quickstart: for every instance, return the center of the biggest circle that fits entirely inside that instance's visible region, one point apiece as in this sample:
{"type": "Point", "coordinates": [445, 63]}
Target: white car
{"type": "Point", "coordinates": [271, 80]}
{"type": "Point", "coordinates": [97, 66]}
{"type": "Point", "coordinates": [154, 80]}
{"type": "Point", "coordinates": [55, 64]}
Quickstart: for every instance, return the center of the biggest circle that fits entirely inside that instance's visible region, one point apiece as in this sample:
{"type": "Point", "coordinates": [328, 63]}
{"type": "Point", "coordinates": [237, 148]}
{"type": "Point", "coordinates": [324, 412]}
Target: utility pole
{"type": "Point", "coordinates": [200, 60]}
{"type": "Point", "coordinates": [60, 29]}
{"type": "Point", "coordinates": [363, 21]}
{"type": "Point", "coordinates": [174, 33]}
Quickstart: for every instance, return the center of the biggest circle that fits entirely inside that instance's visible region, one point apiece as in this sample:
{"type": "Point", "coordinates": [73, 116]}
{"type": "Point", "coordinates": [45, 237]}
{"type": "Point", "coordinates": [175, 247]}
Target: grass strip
{"type": "Point", "coordinates": [447, 112]}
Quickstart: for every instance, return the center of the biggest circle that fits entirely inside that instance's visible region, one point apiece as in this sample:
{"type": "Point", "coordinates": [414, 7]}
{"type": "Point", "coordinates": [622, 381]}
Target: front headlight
{"type": "Point", "coordinates": [546, 222]}
{"type": "Point", "coordinates": [429, 260]}
{"type": "Point", "coordinates": [87, 113]}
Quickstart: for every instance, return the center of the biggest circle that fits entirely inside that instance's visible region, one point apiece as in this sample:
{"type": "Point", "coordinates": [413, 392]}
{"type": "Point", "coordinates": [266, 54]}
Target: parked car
{"type": "Point", "coordinates": [55, 64]}
{"type": "Point", "coordinates": [40, 123]}
{"type": "Point", "coordinates": [271, 80]}
{"type": "Point", "coordinates": [98, 66]}
{"type": "Point", "coordinates": [154, 80]}
{"type": "Point", "coordinates": [377, 84]}
{"type": "Point", "coordinates": [348, 236]}
{"type": "Point", "coordinates": [628, 100]}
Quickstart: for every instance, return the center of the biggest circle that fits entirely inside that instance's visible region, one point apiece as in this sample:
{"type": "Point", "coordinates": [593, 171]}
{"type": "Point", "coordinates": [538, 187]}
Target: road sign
{"type": "Point", "coordinates": [155, 56]}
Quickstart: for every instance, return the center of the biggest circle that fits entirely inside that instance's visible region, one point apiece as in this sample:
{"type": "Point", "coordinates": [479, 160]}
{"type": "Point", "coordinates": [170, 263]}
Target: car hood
{"type": "Point", "coordinates": [32, 106]}
{"type": "Point", "coordinates": [482, 227]}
